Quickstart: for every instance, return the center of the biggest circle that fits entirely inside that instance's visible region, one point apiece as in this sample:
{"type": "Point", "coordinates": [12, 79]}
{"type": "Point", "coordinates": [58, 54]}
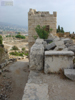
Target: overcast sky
{"type": "Point", "coordinates": [18, 13]}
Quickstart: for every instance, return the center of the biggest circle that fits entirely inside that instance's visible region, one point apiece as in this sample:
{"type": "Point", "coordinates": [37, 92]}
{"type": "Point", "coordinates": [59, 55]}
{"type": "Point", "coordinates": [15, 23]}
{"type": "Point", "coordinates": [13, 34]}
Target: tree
{"type": "Point", "coordinates": [15, 48]}
{"type": "Point", "coordinates": [60, 30]}
{"type": "Point", "coordinates": [20, 36]}
{"type": "Point", "coordinates": [73, 32]}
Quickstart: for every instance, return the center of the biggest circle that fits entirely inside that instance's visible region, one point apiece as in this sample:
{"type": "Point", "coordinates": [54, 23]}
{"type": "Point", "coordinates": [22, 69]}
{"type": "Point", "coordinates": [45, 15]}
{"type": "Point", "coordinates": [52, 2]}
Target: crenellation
{"type": "Point", "coordinates": [55, 14]}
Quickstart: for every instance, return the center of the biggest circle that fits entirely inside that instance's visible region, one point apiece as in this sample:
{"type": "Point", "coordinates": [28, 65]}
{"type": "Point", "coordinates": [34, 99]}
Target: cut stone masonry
{"type": "Point", "coordinates": [40, 18]}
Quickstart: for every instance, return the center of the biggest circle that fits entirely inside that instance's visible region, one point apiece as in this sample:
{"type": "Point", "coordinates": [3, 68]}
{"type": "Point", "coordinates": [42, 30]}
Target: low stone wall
{"type": "Point", "coordinates": [56, 60]}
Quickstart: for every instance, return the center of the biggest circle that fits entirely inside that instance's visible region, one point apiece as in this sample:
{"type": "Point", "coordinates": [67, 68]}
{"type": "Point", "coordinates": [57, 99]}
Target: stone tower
{"type": "Point", "coordinates": [40, 18]}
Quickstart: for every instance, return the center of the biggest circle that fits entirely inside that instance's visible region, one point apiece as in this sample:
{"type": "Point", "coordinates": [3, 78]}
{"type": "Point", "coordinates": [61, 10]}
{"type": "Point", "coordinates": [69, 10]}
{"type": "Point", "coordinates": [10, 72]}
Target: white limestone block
{"type": "Point", "coordinates": [56, 60]}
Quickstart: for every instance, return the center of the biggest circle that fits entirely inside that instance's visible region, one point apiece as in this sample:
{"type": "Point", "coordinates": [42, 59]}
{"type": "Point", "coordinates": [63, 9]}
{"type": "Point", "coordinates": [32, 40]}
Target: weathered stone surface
{"type": "Point", "coordinates": [65, 49]}
{"type": "Point", "coordinates": [39, 41]}
{"type": "Point", "coordinates": [70, 73]}
{"type": "Point", "coordinates": [36, 92]}
{"type": "Point", "coordinates": [59, 43]}
{"type": "Point", "coordinates": [67, 53]}
{"type": "Point", "coordinates": [48, 40]}
{"type": "Point", "coordinates": [68, 45]}
{"type": "Point", "coordinates": [50, 46]}
{"type": "Point", "coordinates": [34, 77]}
{"type": "Point", "coordinates": [56, 39]}
{"type": "Point", "coordinates": [36, 56]}
{"type": "Point", "coordinates": [2, 65]}
{"type": "Point", "coordinates": [6, 61]}
{"type": "Point", "coordinates": [72, 48]}
{"type": "Point", "coordinates": [67, 40]}
{"type": "Point", "coordinates": [60, 48]}
{"type": "Point", "coordinates": [44, 44]}
{"type": "Point", "coordinates": [56, 60]}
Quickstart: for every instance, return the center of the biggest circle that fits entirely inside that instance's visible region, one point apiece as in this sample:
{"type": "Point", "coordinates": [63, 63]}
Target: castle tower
{"type": "Point", "coordinates": [40, 18]}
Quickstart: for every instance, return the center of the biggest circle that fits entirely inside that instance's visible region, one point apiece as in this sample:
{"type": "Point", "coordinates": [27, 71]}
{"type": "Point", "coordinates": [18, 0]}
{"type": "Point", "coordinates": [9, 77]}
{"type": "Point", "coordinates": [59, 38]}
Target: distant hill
{"type": "Point", "coordinates": [8, 26]}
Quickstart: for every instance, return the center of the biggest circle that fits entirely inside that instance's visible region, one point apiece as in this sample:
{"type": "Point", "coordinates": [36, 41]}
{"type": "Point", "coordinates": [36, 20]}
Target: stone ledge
{"type": "Point", "coordinates": [68, 53]}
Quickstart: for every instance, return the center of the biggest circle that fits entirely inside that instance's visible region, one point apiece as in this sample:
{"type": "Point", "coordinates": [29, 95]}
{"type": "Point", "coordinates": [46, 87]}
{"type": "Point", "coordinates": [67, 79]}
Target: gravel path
{"type": "Point", "coordinates": [18, 76]}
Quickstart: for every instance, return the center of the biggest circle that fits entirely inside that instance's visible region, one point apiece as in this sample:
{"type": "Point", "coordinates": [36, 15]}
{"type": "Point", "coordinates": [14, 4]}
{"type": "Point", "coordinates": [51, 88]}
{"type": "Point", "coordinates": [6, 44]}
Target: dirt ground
{"type": "Point", "coordinates": [13, 80]}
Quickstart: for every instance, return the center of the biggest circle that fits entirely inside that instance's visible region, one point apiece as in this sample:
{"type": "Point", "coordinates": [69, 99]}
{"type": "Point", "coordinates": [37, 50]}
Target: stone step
{"type": "Point", "coordinates": [36, 92]}
{"type": "Point", "coordinates": [70, 73]}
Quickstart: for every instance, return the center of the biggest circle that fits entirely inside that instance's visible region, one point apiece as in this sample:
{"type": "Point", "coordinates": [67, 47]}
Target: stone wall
{"type": "Point", "coordinates": [40, 18]}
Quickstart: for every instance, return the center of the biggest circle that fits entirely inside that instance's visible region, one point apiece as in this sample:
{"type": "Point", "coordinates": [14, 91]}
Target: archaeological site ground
{"type": "Point", "coordinates": [34, 67]}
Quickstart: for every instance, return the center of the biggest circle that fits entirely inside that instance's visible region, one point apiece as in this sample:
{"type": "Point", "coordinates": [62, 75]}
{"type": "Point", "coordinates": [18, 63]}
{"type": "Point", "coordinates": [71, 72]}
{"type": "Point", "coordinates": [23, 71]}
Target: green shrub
{"type": "Point", "coordinates": [27, 54]}
{"type": "Point", "coordinates": [15, 48]}
{"type": "Point", "coordinates": [1, 50]}
{"type": "Point", "coordinates": [18, 53]}
{"type": "Point", "coordinates": [20, 36]}
{"type": "Point", "coordinates": [50, 42]}
{"type": "Point", "coordinates": [23, 49]}
{"type": "Point", "coordinates": [1, 39]}
{"type": "Point", "coordinates": [41, 31]}
{"type": "Point", "coordinates": [35, 37]}
{"type": "Point", "coordinates": [8, 35]}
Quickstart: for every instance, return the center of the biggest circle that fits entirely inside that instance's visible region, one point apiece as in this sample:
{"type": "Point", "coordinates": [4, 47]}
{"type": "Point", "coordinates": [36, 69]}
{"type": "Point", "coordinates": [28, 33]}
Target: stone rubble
{"type": "Point", "coordinates": [50, 46]}
{"type": "Point", "coordinates": [42, 58]}
{"type": "Point", "coordinates": [70, 73]}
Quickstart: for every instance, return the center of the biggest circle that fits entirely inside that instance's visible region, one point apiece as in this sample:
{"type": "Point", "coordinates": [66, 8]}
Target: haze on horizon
{"type": "Point", "coordinates": [18, 13]}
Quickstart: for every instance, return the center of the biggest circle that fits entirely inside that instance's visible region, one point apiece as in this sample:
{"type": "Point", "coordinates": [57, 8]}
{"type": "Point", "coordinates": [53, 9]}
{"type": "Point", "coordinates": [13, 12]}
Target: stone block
{"type": "Point", "coordinates": [30, 44]}
{"type": "Point", "coordinates": [65, 49]}
{"type": "Point", "coordinates": [34, 92]}
{"type": "Point", "coordinates": [72, 48]}
{"type": "Point", "coordinates": [59, 43]}
{"type": "Point", "coordinates": [36, 57]}
{"type": "Point", "coordinates": [67, 40]}
{"type": "Point", "coordinates": [48, 40]}
{"type": "Point", "coordinates": [70, 73]}
{"type": "Point", "coordinates": [55, 14]}
{"type": "Point", "coordinates": [50, 46]}
{"type": "Point", "coordinates": [56, 39]}
{"type": "Point", "coordinates": [56, 60]}
{"type": "Point", "coordinates": [39, 41]}
{"type": "Point", "coordinates": [44, 44]}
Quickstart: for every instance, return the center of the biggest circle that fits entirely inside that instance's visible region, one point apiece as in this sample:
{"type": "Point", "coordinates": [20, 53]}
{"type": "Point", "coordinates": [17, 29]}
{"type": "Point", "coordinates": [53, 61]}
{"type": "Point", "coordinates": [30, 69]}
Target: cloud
{"type": "Point", "coordinates": [18, 13]}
